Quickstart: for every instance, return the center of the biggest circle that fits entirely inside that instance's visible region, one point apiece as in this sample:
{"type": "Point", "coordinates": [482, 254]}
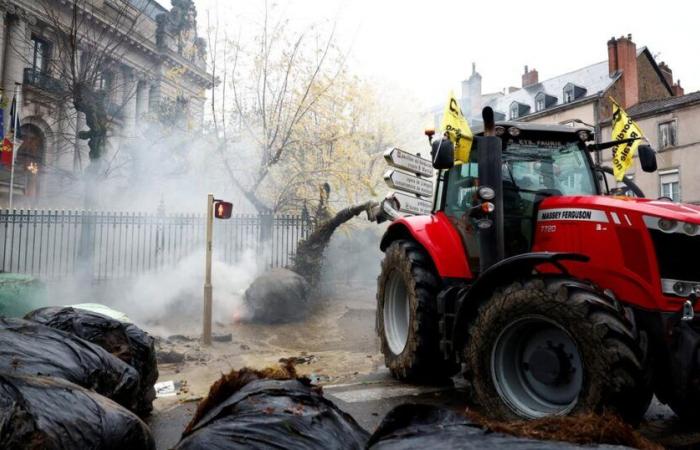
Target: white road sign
{"type": "Point", "coordinates": [408, 182]}
{"type": "Point", "coordinates": [412, 163]}
{"type": "Point", "coordinates": [412, 204]}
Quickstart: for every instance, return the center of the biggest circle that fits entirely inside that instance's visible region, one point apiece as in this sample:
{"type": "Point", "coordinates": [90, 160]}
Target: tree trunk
{"type": "Point", "coordinates": [309, 256]}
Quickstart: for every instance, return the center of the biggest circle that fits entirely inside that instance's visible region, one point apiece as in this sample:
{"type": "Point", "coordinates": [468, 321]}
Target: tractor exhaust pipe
{"type": "Point", "coordinates": [489, 148]}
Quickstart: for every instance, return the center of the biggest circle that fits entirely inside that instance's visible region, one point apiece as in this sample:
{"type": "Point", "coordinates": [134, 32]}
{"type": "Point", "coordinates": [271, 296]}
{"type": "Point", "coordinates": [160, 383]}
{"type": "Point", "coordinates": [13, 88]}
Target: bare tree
{"type": "Point", "coordinates": [83, 53]}
{"type": "Point", "coordinates": [274, 82]}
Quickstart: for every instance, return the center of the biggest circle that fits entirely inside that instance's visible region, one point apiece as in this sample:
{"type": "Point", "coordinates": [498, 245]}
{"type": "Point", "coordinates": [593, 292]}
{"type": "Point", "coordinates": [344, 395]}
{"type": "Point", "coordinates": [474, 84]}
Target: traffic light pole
{"type": "Point", "coordinates": [206, 332]}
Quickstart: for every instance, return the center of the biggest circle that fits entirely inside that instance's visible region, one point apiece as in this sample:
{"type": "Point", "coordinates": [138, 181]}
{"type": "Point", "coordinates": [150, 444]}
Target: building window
{"type": "Point", "coordinates": [670, 185]}
{"type": "Point", "coordinates": [667, 134]}
{"type": "Point", "coordinates": [40, 55]}
{"type": "Point", "coordinates": [514, 109]}
{"type": "Point", "coordinates": [104, 81]}
{"type": "Point", "coordinates": [539, 102]}
{"type": "Point", "coordinates": [569, 93]}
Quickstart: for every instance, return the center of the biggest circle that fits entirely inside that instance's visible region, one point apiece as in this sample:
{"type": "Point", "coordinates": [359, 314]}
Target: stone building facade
{"type": "Point", "coordinates": [670, 126]}
{"type": "Point", "coordinates": [160, 68]}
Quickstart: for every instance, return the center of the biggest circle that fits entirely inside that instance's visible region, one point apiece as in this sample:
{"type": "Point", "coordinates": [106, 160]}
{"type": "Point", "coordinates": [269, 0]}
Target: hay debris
{"type": "Point", "coordinates": [232, 382]}
{"type": "Point", "coordinates": [588, 428]}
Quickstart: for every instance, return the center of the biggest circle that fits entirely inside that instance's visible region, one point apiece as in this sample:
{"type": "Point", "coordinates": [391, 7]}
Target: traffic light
{"type": "Point", "coordinates": [222, 210]}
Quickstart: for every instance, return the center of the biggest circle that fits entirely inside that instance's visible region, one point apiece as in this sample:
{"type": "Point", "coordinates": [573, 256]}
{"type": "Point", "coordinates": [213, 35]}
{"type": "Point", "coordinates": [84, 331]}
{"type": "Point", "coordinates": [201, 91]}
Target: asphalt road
{"type": "Point", "coordinates": [370, 397]}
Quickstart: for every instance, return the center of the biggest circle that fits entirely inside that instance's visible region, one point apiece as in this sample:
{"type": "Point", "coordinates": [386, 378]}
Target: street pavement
{"type": "Point", "coordinates": [370, 397]}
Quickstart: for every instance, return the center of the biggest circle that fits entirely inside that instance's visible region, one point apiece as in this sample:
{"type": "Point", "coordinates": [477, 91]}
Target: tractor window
{"type": "Point", "coordinates": [531, 172]}
{"type": "Point", "coordinates": [559, 167]}
{"type": "Point", "coordinates": [461, 189]}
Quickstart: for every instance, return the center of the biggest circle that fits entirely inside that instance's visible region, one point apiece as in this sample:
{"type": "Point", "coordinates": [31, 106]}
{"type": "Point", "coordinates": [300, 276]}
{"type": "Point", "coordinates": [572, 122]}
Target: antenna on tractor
{"type": "Point", "coordinates": [489, 123]}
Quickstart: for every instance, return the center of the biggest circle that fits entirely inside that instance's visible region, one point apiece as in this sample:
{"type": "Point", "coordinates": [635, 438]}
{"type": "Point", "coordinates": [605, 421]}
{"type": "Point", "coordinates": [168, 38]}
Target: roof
{"type": "Point", "coordinates": [594, 78]}
{"type": "Point", "coordinates": [150, 8]}
{"type": "Point", "coordinates": [665, 104]}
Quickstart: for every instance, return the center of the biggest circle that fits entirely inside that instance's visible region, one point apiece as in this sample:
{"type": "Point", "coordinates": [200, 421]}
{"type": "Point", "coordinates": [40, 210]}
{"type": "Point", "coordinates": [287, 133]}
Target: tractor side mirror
{"type": "Point", "coordinates": [442, 153]}
{"type": "Point", "coordinates": [647, 158]}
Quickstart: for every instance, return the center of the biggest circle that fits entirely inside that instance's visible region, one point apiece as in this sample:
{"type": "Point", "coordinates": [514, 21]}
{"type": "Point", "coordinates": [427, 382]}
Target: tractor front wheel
{"type": "Point", "coordinates": [407, 317]}
{"type": "Point", "coordinates": [554, 348]}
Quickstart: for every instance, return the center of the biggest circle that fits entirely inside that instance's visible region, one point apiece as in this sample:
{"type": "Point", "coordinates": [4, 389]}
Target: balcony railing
{"type": "Point", "coordinates": [41, 80]}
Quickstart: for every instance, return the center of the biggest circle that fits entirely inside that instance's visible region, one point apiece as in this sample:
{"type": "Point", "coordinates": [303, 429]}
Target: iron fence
{"type": "Point", "coordinates": [53, 244]}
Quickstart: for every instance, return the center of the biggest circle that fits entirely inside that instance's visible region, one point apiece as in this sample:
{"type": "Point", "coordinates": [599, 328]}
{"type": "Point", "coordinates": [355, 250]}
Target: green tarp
{"type": "Point", "coordinates": [20, 294]}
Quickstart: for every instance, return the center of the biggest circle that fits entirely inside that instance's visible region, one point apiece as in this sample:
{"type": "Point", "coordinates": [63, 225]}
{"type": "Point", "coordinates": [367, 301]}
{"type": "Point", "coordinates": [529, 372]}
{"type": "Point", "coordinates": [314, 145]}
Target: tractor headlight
{"type": "Point", "coordinates": [667, 225]}
{"type": "Point", "coordinates": [583, 135]}
{"type": "Point", "coordinates": [690, 228]}
{"type": "Point", "coordinates": [513, 131]}
{"type": "Point", "coordinates": [486, 193]}
{"type": "Point", "coordinates": [499, 130]}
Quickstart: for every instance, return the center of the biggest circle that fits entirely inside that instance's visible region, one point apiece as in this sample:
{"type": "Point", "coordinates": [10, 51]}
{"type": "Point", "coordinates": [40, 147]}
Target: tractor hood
{"type": "Point", "coordinates": [646, 207]}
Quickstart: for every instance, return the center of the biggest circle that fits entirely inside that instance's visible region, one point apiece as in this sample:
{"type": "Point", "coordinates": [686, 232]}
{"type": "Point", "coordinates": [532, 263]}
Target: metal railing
{"type": "Point", "coordinates": [41, 79]}
{"type": "Point", "coordinates": [54, 245]}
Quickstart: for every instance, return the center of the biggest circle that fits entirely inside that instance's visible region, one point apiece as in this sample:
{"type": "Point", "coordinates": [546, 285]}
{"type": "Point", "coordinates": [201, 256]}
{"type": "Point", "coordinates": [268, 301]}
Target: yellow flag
{"type": "Point", "coordinates": [623, 128]}
{"type": "Point", "coordinates": [455, 125]}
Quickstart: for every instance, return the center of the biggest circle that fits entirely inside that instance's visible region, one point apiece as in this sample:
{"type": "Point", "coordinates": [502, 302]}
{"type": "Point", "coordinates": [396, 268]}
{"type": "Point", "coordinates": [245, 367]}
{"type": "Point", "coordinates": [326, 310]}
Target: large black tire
{"type": "Point", "coordinates": [407, 264]}
{"type": "Point", "coordinates": [599, 367]}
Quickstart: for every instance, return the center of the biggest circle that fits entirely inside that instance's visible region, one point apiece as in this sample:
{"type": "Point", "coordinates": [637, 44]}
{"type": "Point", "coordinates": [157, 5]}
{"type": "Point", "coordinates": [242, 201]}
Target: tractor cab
{"type": "Point", "coordinates": [538, 161]}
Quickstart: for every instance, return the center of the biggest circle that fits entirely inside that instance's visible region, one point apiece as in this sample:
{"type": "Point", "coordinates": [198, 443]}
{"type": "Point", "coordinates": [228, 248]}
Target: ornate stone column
{"type": "Point", "coordinates": [142, 100]}
{"type": "Point", "coordinates": [129, 104]}
{"type": "Point", "coordinates": [15, 57]}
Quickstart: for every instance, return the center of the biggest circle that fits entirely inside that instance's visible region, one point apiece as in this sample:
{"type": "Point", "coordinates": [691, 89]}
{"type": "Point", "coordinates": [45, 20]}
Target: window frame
{"type": "Point", "coordinates": [45, 53]}
{"type": "Point", "coordinates": [569, 93]}
{"type": "Point", "coordinates": [670, 172]}
{"type": "Point", "coordinates": [674, 126]}
{"type": "Point", "coordinates": [540, 98]}
{"type": "Point", "coordinates": [516, 106]}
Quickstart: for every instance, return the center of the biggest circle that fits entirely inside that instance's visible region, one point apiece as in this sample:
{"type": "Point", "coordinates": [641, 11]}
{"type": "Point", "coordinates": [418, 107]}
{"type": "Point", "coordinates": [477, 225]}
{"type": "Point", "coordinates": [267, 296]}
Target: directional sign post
{"type": "Point", "coordinates": [413, 205]}
{"type": "Point", "coordinates": [411, 163]}
{"type": "Point", "coordinates": [411, 188]}
{"type": "Point", "coordinates": [408, 182]}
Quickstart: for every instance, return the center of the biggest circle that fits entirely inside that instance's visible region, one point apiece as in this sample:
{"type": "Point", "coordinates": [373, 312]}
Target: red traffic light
{"type": "Point", "coordinates": [222, 210]}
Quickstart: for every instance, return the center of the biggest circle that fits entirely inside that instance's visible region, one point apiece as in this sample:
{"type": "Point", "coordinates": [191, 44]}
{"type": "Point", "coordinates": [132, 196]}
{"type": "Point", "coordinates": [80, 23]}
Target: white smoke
{"type": "Point", "coordinates": [171, 301]}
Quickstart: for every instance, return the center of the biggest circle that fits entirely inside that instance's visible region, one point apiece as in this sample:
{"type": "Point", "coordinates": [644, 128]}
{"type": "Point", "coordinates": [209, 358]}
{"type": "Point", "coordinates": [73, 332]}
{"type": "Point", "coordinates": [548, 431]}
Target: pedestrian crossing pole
{"type": "Point", "coordinates": [206, 332]}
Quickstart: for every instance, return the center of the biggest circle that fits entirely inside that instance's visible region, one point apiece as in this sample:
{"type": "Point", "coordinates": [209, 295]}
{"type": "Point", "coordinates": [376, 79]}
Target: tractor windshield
{"type": "Point", "coordinates": [556, 168]}
{"type": "Point", "coordinates": [532, 171]}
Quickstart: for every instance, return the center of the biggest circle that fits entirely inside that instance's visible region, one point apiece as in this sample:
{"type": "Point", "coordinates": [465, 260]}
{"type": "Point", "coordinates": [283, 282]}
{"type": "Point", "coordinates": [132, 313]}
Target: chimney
{"type": "Point", "coordinates": [667, 72]}
{"type": "Point", "coordinates": [471, 90]}
{"type": "Point", "coordinates": [612, 56]}
{"type": "Point", "coordinates": [677, 89]}
{"type": "Point", "coordinates": [530, 77]}
{"type": "Point", "coordinates": [622, 56]}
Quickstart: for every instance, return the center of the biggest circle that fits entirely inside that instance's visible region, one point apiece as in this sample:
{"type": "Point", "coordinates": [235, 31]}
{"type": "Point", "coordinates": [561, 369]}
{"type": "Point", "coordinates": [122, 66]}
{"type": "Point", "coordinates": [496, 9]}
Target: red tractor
{"type": "Point", "coordinates": [556, 296]}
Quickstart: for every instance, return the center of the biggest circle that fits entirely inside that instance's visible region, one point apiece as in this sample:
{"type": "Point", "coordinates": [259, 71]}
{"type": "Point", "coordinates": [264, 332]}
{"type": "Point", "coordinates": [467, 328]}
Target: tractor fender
{"type": "Point", "coordinates": [437, 235]}
{"type": "Point", "coordinates": [501, 274]}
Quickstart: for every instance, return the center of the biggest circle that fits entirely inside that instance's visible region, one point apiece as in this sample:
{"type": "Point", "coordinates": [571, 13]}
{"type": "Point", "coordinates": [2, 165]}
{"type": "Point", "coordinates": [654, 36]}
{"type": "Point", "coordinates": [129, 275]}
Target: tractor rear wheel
{"type": "Point", "coordinates": [407, 317]}
{"type": "Point", "coordinates": [555, 348]}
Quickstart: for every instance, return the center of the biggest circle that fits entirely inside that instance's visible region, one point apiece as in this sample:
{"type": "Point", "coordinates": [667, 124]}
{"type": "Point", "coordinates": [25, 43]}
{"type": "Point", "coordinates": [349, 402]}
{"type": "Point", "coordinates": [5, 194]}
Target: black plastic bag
{"type": "Point", "coordinates": [412, 426]}
{"type": "Point", "coordinates": [124, 340]}
{"type": "Point", "coordinates": [50, 413]}
{"type": "Point", "coordinates": [271, 413]}
{"type": "Point", "coordinates": [30, 348]}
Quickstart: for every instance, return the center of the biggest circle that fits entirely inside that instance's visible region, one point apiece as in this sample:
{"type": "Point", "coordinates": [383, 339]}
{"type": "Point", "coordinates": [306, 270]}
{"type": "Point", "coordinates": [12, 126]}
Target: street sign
{"type": "Point", "coordinates": [413, 205]}
{"type": "Point", "coordinates": [412, 163]}
{"type": "Point", "coordinates": [409, 183]}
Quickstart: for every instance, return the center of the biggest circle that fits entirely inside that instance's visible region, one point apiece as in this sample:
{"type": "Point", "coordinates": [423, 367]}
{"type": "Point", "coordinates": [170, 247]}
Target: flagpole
{"type": "Point", "coordinates": [14, 141]}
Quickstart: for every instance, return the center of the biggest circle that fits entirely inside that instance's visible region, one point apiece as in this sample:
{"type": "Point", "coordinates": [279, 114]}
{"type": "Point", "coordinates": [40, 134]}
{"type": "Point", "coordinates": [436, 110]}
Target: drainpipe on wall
{"type": "Point", "coordinates": [596, 129]}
